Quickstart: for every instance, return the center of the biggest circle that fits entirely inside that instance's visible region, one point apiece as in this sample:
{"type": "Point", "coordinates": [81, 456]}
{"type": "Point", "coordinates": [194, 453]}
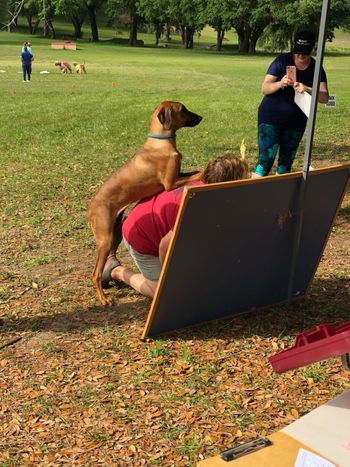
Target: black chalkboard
{"type": "Point", "coordinates": [232, 246]}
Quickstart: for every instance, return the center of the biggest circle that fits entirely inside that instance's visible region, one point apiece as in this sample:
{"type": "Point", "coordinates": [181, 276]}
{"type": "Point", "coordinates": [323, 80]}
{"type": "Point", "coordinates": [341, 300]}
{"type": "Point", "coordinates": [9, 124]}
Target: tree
{"type": "Point", "coordinates": [129, 9]}
{"type": "Point", "coordinates": [47, 14]}
{"type": "Point", "coordinates": [39, 10]}
{"type": "Point", "coordinates": [186, 16]}
{"type": "Point", "coordinates": [278, 35]}
{"type": "Point", "coordinates": [219, 15]}
{"type": "Point", "coordinates": [250, 18]}
{"type": "Point", "coordinates": [288, 16]}
{"type": "Point", "coordinates": [75, 10]}
{"type": "Point", "coordinates": [92, 6]}
{"type": "Point", "coordinates": [339, 14]}
{"type": "Point", "coordinates": [4, 9]}
{"type": "Point", "coordinates": [154, 12]}
{"type": "Point", "coordinates": [9, 12]}
{"type": "Point", "coordinates": [32, 12]}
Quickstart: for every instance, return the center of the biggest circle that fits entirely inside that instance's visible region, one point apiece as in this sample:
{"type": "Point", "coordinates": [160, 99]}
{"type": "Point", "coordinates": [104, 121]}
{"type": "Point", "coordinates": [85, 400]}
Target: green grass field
{"type": "Point", "coordinates": [76, 130]}
{"type": "Point", "coordinates": [172, 399]}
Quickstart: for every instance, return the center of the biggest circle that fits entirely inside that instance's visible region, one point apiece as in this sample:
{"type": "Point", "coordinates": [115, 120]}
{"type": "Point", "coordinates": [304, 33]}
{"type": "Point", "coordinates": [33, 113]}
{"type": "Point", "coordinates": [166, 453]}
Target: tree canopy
{"type": "Point", "coordinates": [271, 22]}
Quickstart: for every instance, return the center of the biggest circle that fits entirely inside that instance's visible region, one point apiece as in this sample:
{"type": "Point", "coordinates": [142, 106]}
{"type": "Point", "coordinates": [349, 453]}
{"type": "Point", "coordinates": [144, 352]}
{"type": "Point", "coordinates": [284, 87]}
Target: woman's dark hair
{"type": "Point", "coordinates": [225, 168]}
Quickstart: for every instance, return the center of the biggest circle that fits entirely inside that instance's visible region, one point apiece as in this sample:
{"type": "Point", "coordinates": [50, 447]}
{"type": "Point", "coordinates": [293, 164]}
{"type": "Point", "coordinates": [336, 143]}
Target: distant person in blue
{"type": "Point", "coordinates": [27, 59]}
{"type": "Point", "coordinates": [281, 123]}
{"type": "Point", "coordinates": [28, 45]}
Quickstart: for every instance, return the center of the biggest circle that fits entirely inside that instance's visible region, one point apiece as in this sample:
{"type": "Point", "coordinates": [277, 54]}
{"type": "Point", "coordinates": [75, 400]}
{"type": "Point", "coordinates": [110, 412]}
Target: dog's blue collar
{"type": "Point", "coordinates": [151, 135]}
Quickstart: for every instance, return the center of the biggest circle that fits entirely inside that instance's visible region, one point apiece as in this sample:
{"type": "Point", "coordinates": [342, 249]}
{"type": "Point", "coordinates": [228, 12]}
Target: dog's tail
{"type": "Point", "coordinates": [242, 149]}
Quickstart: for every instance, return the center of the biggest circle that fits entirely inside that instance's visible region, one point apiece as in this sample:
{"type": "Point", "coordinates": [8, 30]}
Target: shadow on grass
{"type": "Point", "coordinates": [327, 302]}
{"type": "Point", "coordinates": [81, 319]}
{"type": "Point", "coordinates": [175, 45]}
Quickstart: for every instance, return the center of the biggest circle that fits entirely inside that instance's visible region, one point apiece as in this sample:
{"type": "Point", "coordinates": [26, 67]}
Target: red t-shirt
{"type": "Point", "coordinates": [151, 219]}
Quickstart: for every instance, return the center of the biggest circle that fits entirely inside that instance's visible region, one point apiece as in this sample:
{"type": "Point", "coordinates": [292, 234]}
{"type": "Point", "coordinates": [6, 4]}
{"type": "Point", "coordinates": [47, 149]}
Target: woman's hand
{"type": "Point", "coordinates": [270, 84]}
{"type": "Point", "coordinates": [300, 87]}
{"type": "Point", "coordinates": [323, 94]}
{"type": "Point", "coordinates": [286, 81]}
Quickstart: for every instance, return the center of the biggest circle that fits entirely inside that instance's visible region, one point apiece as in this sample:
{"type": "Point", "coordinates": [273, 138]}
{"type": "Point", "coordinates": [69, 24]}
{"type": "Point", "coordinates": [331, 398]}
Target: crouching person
{"type": "Point", "coordinates": [148, 228]}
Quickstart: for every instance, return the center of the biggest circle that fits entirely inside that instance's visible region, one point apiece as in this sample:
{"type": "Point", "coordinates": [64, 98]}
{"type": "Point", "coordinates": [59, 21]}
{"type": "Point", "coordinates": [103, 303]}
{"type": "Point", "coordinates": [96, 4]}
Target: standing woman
{"type": "Point", "coordinates": [281, 123]}
{"type": "Point", "coordinates": [27, 59]}
{"type": "Point", "coordinates": [28, 45]}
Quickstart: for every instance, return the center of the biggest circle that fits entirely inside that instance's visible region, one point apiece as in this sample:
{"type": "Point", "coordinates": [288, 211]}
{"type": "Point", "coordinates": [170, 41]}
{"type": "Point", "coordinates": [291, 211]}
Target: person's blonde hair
{"type": "Point", "coordinates": [225, 168]}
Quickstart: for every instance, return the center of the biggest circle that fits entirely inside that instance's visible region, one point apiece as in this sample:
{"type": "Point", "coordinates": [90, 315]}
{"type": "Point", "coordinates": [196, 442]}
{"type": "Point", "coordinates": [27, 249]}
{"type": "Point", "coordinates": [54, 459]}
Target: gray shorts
{"type": "Point", "coordinates": [149, 266]}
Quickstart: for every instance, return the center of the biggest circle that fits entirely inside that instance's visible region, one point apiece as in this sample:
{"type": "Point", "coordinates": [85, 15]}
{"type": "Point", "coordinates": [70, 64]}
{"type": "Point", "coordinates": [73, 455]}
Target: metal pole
{"type": "Point", "coordinates": [308, 145]}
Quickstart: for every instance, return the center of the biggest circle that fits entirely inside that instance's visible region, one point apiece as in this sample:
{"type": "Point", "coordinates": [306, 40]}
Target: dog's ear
{"type": "Point", "coordinates": [164, 116]}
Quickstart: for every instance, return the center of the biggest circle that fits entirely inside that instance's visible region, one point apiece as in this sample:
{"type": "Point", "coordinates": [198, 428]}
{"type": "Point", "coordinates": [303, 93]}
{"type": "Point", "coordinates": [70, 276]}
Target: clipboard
{"type": "Point", "coordinates": [282, 453]}
{"type": "Point", "coordinates": [303, 101]}
{"type": "Point", "coordinates": [324, 431]}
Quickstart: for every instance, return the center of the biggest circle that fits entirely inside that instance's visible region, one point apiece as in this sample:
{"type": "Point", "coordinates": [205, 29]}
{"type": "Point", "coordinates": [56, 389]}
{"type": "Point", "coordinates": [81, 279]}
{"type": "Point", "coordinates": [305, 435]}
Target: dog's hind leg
{"type": "Point", "coordinates": [102, 250]}
{"type": "Point", "coordinates": [118, 235]}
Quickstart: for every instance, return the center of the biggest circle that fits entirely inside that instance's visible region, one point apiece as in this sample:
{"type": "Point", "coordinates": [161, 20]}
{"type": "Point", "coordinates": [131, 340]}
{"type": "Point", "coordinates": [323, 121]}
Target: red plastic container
{"type": "Point", "coordinates": [313, 345]}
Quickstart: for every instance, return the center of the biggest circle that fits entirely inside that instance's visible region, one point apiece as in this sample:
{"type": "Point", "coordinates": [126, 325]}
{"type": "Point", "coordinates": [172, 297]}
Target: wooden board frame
{"type": "Point", "coordinates": [219, 265]}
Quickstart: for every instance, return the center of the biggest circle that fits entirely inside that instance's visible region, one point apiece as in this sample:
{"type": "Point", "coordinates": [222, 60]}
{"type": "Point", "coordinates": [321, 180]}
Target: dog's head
{"type": "Point", "coordinates": [57, 63]}
{"type": "Point", "coordinates": [174, 115]}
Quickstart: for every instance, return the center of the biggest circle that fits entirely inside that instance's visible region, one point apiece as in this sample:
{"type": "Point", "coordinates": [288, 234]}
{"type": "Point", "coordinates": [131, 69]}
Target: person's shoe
{"type": "Point", "coordinates": [112, 262]}
{"type": "Point", "coordinates": [24, 81]}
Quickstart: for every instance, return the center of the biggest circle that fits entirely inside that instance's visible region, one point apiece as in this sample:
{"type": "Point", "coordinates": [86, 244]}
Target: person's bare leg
{"type": "Point", "coordinates": [254, 175]}
{"type": "Point", "coordinates": [136, 280]}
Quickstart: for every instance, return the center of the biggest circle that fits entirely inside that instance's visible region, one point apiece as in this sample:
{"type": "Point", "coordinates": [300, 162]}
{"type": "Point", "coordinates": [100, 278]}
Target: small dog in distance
{"type": "Point", "coordinates": [79, 68]}
{"type": "Point", "coordinates": [64, 66]}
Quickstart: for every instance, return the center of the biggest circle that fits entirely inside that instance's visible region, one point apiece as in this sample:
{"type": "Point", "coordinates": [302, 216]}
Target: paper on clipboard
{"type": "Point", "coordinates": [303, 100]}
{"type": "Point", "coordinates": [309, 459]}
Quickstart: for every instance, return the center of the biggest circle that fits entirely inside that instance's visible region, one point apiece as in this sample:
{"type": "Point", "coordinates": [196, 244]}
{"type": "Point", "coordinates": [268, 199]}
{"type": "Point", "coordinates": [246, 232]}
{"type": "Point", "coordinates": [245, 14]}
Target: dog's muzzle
{"type": "Point", "coordinates": [194, 119]}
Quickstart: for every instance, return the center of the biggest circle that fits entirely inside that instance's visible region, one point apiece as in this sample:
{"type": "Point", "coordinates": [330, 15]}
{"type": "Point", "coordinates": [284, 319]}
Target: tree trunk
{"type": "Point", "coordinates": [243, 45]}
{"type": "Point", "coordinates": [243, 39]}
{"type": "Point", "coordinates": [167, 33]}
{"type": "Point", "coordinates": [93, 23]}
{"type": "Point", "coordinates": [254, 37]}
{"type": "Point", "coordinates": [35, 26]}
{"type": "Point", "coordinates": [77, 23]}
{"type": "Point", "coordinates": [46, 28]}
{"type": "Point", "coordinates": [52, 29]}
{"type": "Point", "coordinates": [158, 30]}
{"type": "Point", "coordinates": [190, 37]}
{"type": "Point", "coordinates": [252, 44]}
{"type": "Point", "coordinates": [12, 24]}
{"type": "Point", "coordinates": [183, 36]}
{"type": "Point", "coordinates": [187, 41]}
{"type": "Point", "coordinates": [158, 33]}
{"type": "Point", "coordinates": [220, 33]}
{"type": "Point", "coordinates": [133, 31]}
{"type": "Point", "coordinates": [30, 23]}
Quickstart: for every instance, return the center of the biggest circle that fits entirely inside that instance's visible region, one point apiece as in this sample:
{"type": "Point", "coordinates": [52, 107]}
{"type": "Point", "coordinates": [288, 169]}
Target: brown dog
{"type": "Point", "coordinates": [64, 67]}
{"type": "Point", "coordinates": [154, 168]}
{"type": "Point", "coordinates": [79, 68]}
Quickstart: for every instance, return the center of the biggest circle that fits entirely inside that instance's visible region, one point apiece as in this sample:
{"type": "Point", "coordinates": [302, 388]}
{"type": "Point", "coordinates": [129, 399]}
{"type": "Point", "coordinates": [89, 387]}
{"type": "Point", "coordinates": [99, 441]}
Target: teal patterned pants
{"type": "Point", "coordinates": [271, 138]}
